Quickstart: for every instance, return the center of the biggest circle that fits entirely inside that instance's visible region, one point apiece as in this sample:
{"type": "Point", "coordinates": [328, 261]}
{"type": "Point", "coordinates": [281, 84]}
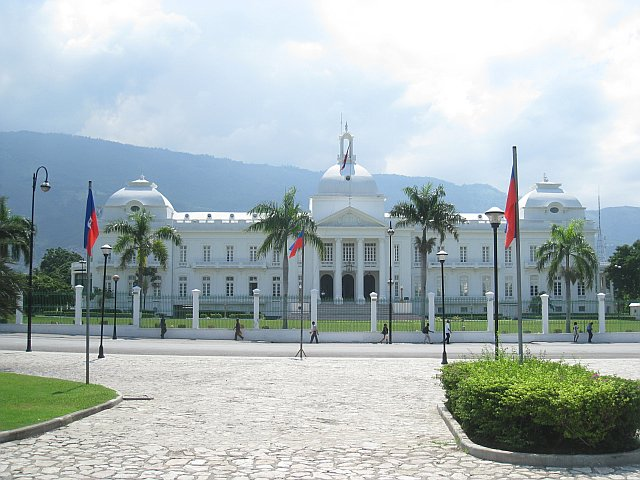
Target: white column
{"type": "Point", "coordinates": [374, 311]}
{"type": "Point", "coordinates": [545, 312]}
{"type": "Point", "coordinates": [337, 273]}
{"type": "Point", "coordinates": [19, 309]}
{"type": "Point", "coordinates": [136, 306]}
{"type": "Point", "coordinates": [256, 308]}
{"type": "Point", "coordinates": [601, 314]}
{"type": "Point", "coordinates": [78, 305]}
{"type": "Point", "coordinates": [491, 325]}
{"type": "Point", "coordinates": [432, 310]}
{"type": "Point", "coordinates": [314, 305]}
{"type": "Point", "coordinates": [195, 295]}
{"type": "Point", "coordinates": [360, 270]}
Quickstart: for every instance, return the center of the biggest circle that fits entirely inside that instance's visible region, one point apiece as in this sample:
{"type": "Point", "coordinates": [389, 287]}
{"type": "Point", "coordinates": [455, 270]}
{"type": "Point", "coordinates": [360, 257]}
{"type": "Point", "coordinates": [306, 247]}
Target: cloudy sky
{"type": "Point", "coordinates": [434, 88]}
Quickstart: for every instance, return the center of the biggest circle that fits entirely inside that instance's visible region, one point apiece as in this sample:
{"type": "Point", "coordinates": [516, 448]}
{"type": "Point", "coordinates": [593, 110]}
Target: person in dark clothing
{"type": "Point", "coordinates": [385, 334]}
{"type": "Point", "coordinates": [238, 330]}
{"type": "Point", "coordinates": [314, 332]}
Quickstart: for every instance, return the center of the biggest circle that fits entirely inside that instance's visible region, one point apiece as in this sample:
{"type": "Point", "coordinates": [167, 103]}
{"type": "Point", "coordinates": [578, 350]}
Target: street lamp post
{"type": "Point", "coordinates": [45, 187]}
{"type": "Point", "coordinates": [494, 214]}
{"type": "Point", "coordinates": [115, 279]}
{"type": "Point", "coordinates": [442, 256]}
{"type": "Point", "coordinates": [106, 250]}
{"type": "Point", "coordinates": [390, 232]}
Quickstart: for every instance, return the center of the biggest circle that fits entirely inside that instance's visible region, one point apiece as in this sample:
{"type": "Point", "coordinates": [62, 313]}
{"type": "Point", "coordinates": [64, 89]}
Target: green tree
{"type": "Point", "coordinates": [624, 271]}
{"type": "Point", "coordinates": [137, 240]}
{"type": "Point", "coordinates": [427, 209]}
{"type": "Point", "coordinates": [281, 222]}
{"type": "Point", "coordinates": [568, 255]}
{"type": "Point", "coordinates": [56, 263]}
{"type": "Point", "coordinates": [14, 234]}
{"type": "Point", "coordinates": [12, 284]}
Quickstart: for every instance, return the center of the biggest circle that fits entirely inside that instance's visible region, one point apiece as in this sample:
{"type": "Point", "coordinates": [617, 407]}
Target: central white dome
{"type": "Point", "coordinates": [361, 183]}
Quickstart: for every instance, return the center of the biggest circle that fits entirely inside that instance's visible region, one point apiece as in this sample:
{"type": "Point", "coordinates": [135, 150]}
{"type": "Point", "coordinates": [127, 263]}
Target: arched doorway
{"type": "Point", "coordinates": [369, 286]}
{"type": "Point", "coordinates": [348, 287]}
{"type": "Point", "coordinates": [326, 287]}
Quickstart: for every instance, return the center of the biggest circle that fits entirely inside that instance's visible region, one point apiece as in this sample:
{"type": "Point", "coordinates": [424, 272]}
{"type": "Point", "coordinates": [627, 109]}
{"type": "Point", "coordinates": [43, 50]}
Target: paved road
{"type": "Point", "coordinates": [153, 346]}
{"type": "Point", "coordinates": [250, 416]}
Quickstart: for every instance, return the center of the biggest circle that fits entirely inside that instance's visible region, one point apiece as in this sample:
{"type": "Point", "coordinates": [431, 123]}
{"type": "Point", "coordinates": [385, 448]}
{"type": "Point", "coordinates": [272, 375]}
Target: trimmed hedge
{"type": "Point", "coordinates": [542, 406]}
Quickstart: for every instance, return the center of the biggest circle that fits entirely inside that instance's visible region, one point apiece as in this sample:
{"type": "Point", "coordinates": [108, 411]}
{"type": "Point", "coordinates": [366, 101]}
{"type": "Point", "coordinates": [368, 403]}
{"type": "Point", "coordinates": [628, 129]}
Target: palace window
{"type": "Point", "coordinates": [532, 253]}
{"type": "Point", "coordinates": [275, 287]}
{"type": "Point", "coordinates": [534, 289]}
{"type": "Point", "coordinates": [486, 284]}
{"type": "Point", "coordinates": [182, 258]}
{"type": "Point", "coordinates": [486, 254]}
{"type": "Point", "coordinates": [253, 254]}
{"type": "Point", "coordinates": [206, 286]}
{"type": "Point", "coordinates": [557, 287]}
{"type": "Point", "coordinates": [229, 287]}
{"type": "Point", "coordinates": [582, 289]}
{"type": "Point", "coordinates": [276, 257]}
{"type": "Point", "coordinates": [253, 284]}
{"type": "Point", "coordinates": [182, 286]}
{"type": "Point", "coordinates": [396, 253]}
{"type": "Point", "coordinates": [328, 253]}
{"type": "Point", "coordinates": [508, 255]}
{"type": "Point", "coordinates": [370, 252]}
{"type": "Point", "coordinates": [508, 286]}
{"type": "Point", "coordinates": [206, 253]}
{"type": "Point", "coordinates": [416, 255]}
{"type": "Point", "coordinates": [463, 254]}
{"type": "Point", "coordinates": [230, 255]}
{"type": "Point", "coordinates": [348, 253]}
{"type": "Point", "coordinates": [464, 286]}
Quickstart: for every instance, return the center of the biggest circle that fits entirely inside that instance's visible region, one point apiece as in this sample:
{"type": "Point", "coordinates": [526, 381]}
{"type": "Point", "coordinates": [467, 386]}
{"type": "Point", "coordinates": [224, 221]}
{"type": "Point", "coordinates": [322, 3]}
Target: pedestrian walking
{"type": "Point", "coordinates": [385, 334]}
{"type": "Point", "coordinates": [163, 326]}
{"type": "Point", "coordinates": [590, 331]}
{"type": "Point", "coordinates": [238, 330]}
{"type": "Point", "coordinates": [447, 331]}
{"type": "Point", "coordinates": [314, 332]}
{"type": "Point", "coordinates": [426, 332]}
{"type": "Point", "coordinates": [576, 332]}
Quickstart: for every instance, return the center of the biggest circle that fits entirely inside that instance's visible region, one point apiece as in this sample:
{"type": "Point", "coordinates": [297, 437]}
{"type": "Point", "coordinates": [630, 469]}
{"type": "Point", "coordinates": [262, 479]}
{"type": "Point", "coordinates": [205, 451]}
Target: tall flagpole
{"type": "Point", "coordinates": [518, 260]}
{"type": "Point", "coordinates": [87, 313]}
{"type": "Point", "coordinates": [302, 296]}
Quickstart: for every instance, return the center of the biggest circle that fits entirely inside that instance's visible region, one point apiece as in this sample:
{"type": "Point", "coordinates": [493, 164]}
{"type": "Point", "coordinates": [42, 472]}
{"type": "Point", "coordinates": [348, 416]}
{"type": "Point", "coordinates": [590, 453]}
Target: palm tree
{"type": "Point", "coordinates": [568, 255]}
{"type": "Point", "coordinates": [14, 234]}
{"type": "Point", "coordinates": [138, 240]}
{"type": "Point", "coordinates": [281, 222]}
{"type": "Point", "coordinates": [427, 208]}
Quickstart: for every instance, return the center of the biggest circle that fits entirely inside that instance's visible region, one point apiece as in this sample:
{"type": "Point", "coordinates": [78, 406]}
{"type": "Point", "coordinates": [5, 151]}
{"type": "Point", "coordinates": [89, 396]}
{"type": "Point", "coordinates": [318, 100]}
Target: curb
{"type": "Point", "coordinates": [535, 459]}
{"type": "Point", "coordinates": [40, 428]}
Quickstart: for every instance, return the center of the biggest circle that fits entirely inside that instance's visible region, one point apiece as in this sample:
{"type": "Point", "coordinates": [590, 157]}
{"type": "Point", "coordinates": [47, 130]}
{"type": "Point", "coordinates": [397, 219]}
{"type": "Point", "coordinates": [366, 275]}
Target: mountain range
{"type": "Point", "coordinates": [196, 183]}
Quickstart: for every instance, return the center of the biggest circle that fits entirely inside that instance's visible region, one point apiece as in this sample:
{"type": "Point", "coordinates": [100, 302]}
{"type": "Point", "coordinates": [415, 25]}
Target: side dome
{"type": "Point", "coordinates": [140, 193]}
{"type": "Point", "coordinates": [547, 198]}
{"type": "Point", "coordinates": [361, 183]}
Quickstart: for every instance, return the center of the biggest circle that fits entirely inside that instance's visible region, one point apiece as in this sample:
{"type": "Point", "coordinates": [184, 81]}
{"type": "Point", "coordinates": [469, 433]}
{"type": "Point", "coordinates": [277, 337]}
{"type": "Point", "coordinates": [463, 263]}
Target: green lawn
{"type": "Point", "coordinates": [400, 324]}
{"type": "Point", "coordinates": [27, 400]}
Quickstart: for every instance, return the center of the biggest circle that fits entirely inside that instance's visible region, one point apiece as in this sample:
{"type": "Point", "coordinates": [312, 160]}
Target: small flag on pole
{"type": "Point", "coordinates": [511, 210]}
{"type": "Point", "coordinates": [346, 156]}
{"type": "Point", "coordinates": [298, 244]}
{"type": "Point", "coordinates": [91, 230]}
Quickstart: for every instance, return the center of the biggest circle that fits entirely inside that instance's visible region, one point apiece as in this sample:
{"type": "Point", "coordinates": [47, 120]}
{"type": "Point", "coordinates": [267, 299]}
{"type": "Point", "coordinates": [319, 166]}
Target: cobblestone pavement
{"type": "Point", "coordinates": [262, 418]}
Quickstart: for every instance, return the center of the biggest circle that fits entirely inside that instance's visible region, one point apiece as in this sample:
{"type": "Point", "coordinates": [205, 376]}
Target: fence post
{"type": "Point", "coordinates": [78, 305]}
{"type": "Point", "coordinates": [374, 311]}
{"type": "Point", "coordinates": [432, 310]}
{"type": "Point", "coordinates": [19, 309]}
{"type": "Point", "coordinates": [136, 306]}
{"type": "Point", "coordinates": [256, 308]}
{"type": "Point", "coordinates": [195, 310]}
{"type": "Point", "coordinates": [314, 305]}
{"type": "Point", "coordinates": [545, 312]}
{"type": "Point", "coordinates": [601, 320]}
{"type": "Point", "coordinates": [491, 325]}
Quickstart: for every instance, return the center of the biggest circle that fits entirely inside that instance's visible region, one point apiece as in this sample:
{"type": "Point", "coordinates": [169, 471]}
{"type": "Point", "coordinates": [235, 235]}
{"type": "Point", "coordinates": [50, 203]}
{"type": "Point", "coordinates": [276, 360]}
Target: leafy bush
{"type": "Point", "coordinates": [542, 406]}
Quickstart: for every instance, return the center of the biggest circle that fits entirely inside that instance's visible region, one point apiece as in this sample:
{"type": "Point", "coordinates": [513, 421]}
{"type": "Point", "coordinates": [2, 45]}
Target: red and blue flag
{"type": "Point", "coordinates": [511, 210]}
{"type": "Point", "coordinates": [298, 244]}
{"type": "Point", "coordinates": [91, 230]}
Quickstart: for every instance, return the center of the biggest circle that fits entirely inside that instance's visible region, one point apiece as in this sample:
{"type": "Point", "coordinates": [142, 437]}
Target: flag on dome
{"type": "Point", "coordinates": [298, 244]}
{"type": "Point", "coordinates": [91, 230]}
{"type": "Point", "coordinates": [511, 210]}
{"type": "Point", "coordinates": [346, 156]}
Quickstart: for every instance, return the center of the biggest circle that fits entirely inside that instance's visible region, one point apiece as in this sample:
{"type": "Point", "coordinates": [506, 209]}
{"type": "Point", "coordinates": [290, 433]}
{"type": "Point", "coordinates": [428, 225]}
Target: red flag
{"type": "Point", "coordinates": [346, 155]}
{"type": "Point", "coordinates": [299, 243]}
{"type": "Point", "coordinates": [91, 230]}
{"type": "Point", "coordinates": [510, 211]}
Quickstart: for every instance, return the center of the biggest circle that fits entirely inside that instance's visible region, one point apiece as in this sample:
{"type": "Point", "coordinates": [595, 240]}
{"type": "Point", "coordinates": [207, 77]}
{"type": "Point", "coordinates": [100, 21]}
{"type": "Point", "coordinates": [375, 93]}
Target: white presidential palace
{"type": "Point", "coordinates": [218, 256]}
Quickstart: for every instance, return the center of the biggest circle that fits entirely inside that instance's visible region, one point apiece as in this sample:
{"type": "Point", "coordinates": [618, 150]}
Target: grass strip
{"type": "Point", "coordinates": [27, 400]}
